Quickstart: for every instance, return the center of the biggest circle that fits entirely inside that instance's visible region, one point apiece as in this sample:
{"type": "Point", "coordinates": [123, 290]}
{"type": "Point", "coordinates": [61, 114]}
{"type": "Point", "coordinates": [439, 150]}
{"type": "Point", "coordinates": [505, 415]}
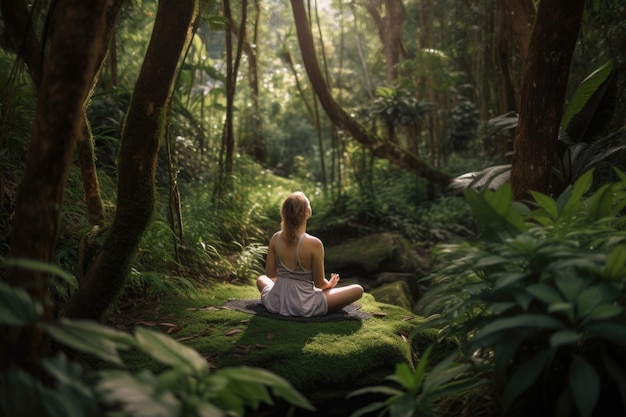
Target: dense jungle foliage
{"type": "Point", "coordinates": [531, 290]}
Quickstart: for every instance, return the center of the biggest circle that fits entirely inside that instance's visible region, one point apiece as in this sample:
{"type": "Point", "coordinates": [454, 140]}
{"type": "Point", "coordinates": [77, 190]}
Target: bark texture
{"type": "Point", "coordinates": [142, 133]}
{"type": "Point", "coordinates": [66, 80]}
{"type": "Point", "coordinates": [544, 83]}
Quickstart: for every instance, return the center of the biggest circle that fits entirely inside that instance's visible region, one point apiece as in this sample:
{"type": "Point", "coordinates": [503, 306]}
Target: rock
{"type": "Point", "coordinates": [395, 293]}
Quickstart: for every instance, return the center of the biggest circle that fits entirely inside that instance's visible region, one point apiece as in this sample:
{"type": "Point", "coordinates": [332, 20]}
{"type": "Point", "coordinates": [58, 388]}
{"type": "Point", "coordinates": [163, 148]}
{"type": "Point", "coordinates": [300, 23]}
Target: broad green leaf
{"type": "Point", "coordinates": [546, 203]}
{"type": "Point", "coordinates": [403, 406]}
{"type": "Point", "coordinates": [564, 337]}
{"type": "Point", "coordinates": [35, 265]}
{"type": "Point", "coordinates": [169, 351]}
{"type": "Point", "coordinates": [262, 377]}
{"type": "Point", "coordinates": [511, 324]}
{"type": "Point", "coordinates": [585, 384]}
{"type": "Point", "coordinates": [136, 394]}
{"type": "Point", "coordinates": [589, 299]}
{"type": "Point", "coordinates": [505, 279]}
{"type": "Point", "coordinates": [615, 266]}
{"type": "Point", "coordinates": [420, 369]}
{"type": "Point", "coordinates": [405, 376]}
{"type": "Point", "coordinates": [368, 409]}
{"type": "Point", "coordinates": [525, 375]}
{"type": "Point", "coordinates": [545, 293]}
{"type": "Point", "coordinates": [580, 188]}
{"type": "Point", "coordinates": [613, 332]}
{"type": "Point", "coordinates": [570, 286]}
{"type": "Point", "coordinates": [90, 337]}
{"type": "Point", "coordinates": [600, 203]}
{"type": "Point", "coordinates": [17, 308]}
{"type": "Point", "coordinates": [605, 311]}
{"type": "Point", "coordinates": [584, 92]}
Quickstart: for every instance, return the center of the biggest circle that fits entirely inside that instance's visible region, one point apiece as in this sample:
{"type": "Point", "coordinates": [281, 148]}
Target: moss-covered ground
{"type": "Point", "coordinates": [311, 356]}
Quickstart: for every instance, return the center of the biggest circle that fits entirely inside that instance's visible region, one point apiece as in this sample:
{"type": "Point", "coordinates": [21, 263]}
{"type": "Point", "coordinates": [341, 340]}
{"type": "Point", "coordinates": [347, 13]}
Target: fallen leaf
{"type": "Point", "coordinates": [146, 323]}
{"type": "Point", "coordinates": [232, 332]}
{"type": "Point", "coordinates": [408, 318]}
{"type": "Point", "coordinates": [310, 340]}
{"type": "Point", "coordinates": [379, 314]}
{"type": "Point", "coordinates": [184, 338]}
{"type": "Point", "coordinates": [270, 335]}
{"type": "Point", "coordinates": [243, 349]}
{"type": "Point", "coordinates": [246, 321]}
{"type": "Point", "coordinates": [168, 324]}
{"type": "Point", "coordinates": [261, 347]}
{"type": "Point", "coordinates": [174, 329]}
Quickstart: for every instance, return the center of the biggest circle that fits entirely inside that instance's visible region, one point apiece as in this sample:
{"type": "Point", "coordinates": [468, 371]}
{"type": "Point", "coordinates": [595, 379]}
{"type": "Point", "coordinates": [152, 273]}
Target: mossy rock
{"type": "Point", "coordinates": [369, 255]}
{"type": "Point", "coordinates": [396, 293]}
{"type": "Point", "coordinates": [314, 357]}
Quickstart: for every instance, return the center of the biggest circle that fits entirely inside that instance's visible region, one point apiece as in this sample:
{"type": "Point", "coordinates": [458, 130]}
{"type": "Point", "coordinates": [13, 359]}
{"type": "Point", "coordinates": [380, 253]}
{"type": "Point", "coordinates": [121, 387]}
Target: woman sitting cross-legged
{"type": "Point", "coordinates": [294, 283]}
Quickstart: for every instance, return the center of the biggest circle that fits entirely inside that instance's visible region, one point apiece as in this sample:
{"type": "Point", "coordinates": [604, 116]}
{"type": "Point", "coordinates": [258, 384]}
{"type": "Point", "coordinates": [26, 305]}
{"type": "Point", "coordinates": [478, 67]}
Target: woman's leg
{"type": "Point", "coordinates": [339, 297]}
{"type": "Point", "coordinates": [263, 281]}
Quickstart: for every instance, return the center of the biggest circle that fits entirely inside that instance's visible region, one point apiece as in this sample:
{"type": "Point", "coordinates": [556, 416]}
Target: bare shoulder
{"type": "Point", "coordinates": [313, 241]}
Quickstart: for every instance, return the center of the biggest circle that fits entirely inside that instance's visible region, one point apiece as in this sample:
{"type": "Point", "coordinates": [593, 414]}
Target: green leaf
{"type": "Point", "coordinates": [90, 337]}
{"type": "Point", "coordinates": [261, 377]}
{"type": "Point", "coordinates": [585, 385]}
{"type": "Point", "coordinates": [405, 376]}
{"type": "Point", "coordinates": [564, 337]}
{"type": "Point", "coordinates": [136, 395]}
{"type": "Point", "coordinates": [169, 351]}
{"type": "Point", "coordinates": [35, 265]}
{"type": "Point", "coordinates": [16, 306]}
{"type": "Point", "coordinates": [605, 311]}
{"type": "Point", "coordinates": [545, 202]}
{"type": "Point", "coordinates": [582, 96]}
{"type": "Point", "coordinates": [600, 204]}
{"type": "Point", "coordinates": [613, 332]}
{"type": "Point", "coordinates": [589, 299]}
{"type": "Point", "coordinates": [525, 375]}
{"type": "Point", "coordinates": [570, 286]}
{"type": "Point", "coordinates": [580, 188]}
{"type": "Point", "coordinates": [545, 293]}
{"type": "Point", "coordinates": [615, 266]}
{"type": "Point", "coordinates": [511, 324]}
{"type": "Point", "coordinates": [403, 406]}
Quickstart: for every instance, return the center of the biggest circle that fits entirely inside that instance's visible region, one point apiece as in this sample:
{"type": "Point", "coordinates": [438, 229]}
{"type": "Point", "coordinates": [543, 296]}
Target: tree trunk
{"type": "Point", "coordinates": [544, 84]}
{"type": "Point", "coordinates": [389, 27]}
{"type": "Point", "coordinates": [143, 130]}
{"type": "Point", "coordinates": [67, 77]}
{"type": "Point", "coordinates": [341, 119]}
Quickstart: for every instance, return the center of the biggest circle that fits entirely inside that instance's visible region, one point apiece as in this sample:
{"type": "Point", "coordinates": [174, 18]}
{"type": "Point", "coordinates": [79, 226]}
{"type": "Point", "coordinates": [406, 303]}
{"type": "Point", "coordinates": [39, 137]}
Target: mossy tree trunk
{"type": "Point", "coordinates": [143, 131]}
{"type": "Point", "coordinates": [66, 79]}
{"type": "Point", "coordinates": [544, 84]}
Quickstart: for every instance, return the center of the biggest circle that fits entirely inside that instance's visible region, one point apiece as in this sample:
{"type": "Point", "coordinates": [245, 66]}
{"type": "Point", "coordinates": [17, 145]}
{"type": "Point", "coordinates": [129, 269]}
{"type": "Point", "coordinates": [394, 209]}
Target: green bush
{"type": "Point", "coordinates": [541, 299]}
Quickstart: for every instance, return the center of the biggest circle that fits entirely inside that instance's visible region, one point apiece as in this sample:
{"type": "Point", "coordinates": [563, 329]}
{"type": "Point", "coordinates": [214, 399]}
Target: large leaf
{"type": "Point", "coordinates": [585, 384]}
{"type": "Point", "coordinates": [90, 337]}
{"type": "Point", "coordinates": [17, 308]}
{"type": "Point", "coordinates": [524, 377]}
{"type": "Point", "coordinates": [590, 96]}
{"type": "Point", "coordinates": [169, 351]}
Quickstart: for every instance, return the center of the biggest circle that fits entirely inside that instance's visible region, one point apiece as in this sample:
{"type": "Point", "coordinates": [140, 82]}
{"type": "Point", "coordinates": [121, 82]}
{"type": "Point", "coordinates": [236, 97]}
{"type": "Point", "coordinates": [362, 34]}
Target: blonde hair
{"type": "Point", "coordinates": [293, 213]}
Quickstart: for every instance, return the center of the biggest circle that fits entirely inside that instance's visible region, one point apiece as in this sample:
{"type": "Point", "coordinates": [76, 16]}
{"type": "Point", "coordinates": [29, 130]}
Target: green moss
{"type": "Point", "coordinates": [309, 355]}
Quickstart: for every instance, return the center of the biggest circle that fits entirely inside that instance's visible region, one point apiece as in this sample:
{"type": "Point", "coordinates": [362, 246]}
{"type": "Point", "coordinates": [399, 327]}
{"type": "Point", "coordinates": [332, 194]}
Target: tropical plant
{"type": "Point", "coordinates": [421, 389]}
{"type": "Point", "coordinates": [186, 387]}
{"type": "Point", "coordinates": [541, 298]}
{"type": "Point", "coordinates": [584, 142]}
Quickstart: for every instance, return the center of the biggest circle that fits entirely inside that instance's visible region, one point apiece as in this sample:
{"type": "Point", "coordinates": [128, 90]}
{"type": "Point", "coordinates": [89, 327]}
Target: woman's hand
{"type": "Point", "coordinates": [334, 279]}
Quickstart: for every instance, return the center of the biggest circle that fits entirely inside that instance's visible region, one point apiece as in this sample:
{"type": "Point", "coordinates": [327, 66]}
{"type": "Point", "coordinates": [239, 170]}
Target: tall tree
{"type": "Point", "coordinates": [142, 134]}
{"type": "Point", "coordinates": [544, 84]}
{"type": "Point", "coordinates": [75, 50]}
{"type": "Point", "coordinates": [343, 120]}
{"type": "Point", "coordinates": [389, 17]}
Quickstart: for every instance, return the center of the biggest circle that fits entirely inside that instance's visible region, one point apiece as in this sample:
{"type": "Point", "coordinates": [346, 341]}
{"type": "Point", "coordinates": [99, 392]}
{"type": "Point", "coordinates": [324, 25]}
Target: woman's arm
{"type": "Point", "coordinates": [317, 266]}
{"type": "Point", "coordinates": [271, 265]}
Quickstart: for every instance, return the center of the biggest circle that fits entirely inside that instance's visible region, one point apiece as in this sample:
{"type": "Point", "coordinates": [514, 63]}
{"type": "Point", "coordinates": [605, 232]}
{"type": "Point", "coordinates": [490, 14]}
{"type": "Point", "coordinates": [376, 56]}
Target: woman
{"type": "Point", "coordinates": [294, 283]}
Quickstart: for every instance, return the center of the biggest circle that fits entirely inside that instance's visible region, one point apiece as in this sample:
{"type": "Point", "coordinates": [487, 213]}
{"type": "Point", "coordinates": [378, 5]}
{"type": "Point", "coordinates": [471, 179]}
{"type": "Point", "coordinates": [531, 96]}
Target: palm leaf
{"type": "Point", "coordinates": [592, 105]}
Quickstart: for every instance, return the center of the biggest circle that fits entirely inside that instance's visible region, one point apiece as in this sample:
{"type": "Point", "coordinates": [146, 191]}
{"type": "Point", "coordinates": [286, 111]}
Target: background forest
{"type": "Point", "coordinates": [145, 148]}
